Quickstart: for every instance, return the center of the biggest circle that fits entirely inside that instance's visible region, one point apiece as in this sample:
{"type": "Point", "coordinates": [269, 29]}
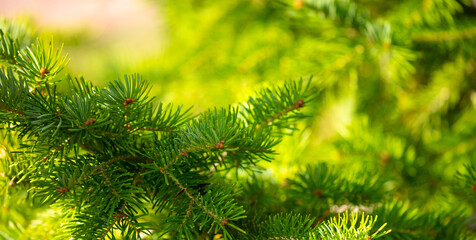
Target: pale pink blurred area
{"type": "Point", "coordinates": [104, 15]}
{"type": "Point", "coordinates": [126, 30]}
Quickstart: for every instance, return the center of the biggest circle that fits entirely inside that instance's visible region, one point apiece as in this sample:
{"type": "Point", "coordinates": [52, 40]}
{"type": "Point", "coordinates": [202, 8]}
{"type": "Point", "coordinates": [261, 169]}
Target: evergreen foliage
{"type": "Point", "coordinates": [113, 162]}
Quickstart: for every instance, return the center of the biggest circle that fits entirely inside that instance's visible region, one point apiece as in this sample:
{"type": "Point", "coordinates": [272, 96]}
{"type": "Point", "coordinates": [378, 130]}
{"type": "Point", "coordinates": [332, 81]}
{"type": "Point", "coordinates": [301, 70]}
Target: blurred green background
{"type": "Point", "coordinates": [398, 81]}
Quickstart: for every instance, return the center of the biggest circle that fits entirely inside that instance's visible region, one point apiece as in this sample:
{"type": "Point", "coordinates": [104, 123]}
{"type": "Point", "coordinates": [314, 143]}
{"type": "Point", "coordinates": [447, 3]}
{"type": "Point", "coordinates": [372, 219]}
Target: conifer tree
{"type": "Point", "coordinates": [109, 156]}
{"type": "Point", "coordinates": [114, 163]}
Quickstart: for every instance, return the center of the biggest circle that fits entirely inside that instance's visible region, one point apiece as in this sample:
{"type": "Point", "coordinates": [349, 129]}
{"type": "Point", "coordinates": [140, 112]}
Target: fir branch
{"type": "Point", "coordinates": [348, 226]}
{"type": "Point", "coordinates": [108, 229]}
{"type": "Point", "coordinates": [8, 48]}
{"type": "Point", "coordinates": [18, 30]}
{"type": "Point", "coordinates": [120, 119]}
{"type": "Point", "coordinates": [467, 180]}
{"type": "Point", "coordinates": [14, 92]}
{"type": "Point", "coordinates": [58, 148]}
{"type": "Point", "coordinates": [41, 62]}
{"type": "Point", "coordinates": [188, 214]}
{"type": "Point", "coordinates": [137, 176]}
{"type": "Point", "coordinates": [103, 165]}
{"type": "Point", "coordinates": [192, 198]}
{"type": "Point", "coordinates": [407, 222]}
{"type": "Point", "coordinates": [256, 150]}
{"type": "Point", "coordinates": [214, 209]}
{"type": "Point", "coordinates": [286, 226]}
{"type": "Point", "coordinates": [174, 160]}
{"type": "Point", "coordinates": [100, 169]}
{"type": "Point", "coordinates": [274, 106]}
{"type": "Point", "coordinates": [157, 129]}
{"type": "Point", "coordinates": [297, 105]}
{"type": "Point", "coordinates": [112, 186]}
{"type": "Point", "coordinates": [318, 187]}
{"type": "Point", "coordinates": [132, 224]}
{"type": "Point", "coordinates": [221, 130]}
{"type": "Point", "coordinates": [140, 147]}
{"type": "Point", "coordinates": [11, 110]}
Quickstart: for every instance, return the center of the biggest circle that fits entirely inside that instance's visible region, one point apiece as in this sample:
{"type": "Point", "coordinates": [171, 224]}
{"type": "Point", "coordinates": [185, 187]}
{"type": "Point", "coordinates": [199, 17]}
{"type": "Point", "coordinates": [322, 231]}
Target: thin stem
{"type": "Point", "coordinates": [112, 186]}
{"type": "Point", "coordinates": [173, 161]}
{"type": "Point", "coordinates": [194, 201]}
{"type": "Point", "coordinates": [132, 224]}
{"type": "Point", "coordinates": [104, 235]}
{"type": "Point", "coordinates": [8, 59]}
{"type": "Point", "coordinates": [189, 214]}
{"type": "Point", "coordinates": [61, 146]}
{"type": "Point", "coordinates": [254, 149]}
{"type": "Point", "coordinates": [98, 168]}
{"type": "Point", "coordinates": [279, 114]}
{"type": "Point", "coordinates": [157, 129]}
{"type": "Point", "coordinates": [11, 110]}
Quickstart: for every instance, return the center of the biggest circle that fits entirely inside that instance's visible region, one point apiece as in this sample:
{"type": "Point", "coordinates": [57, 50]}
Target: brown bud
{"type": "Point", "coordinates": [299, 103]}
{"type": "Point", "coordinates": [119, 215]}
{"type": "Point", "coordinates": [90, 121]}
{"type": "Point", "coordinates": [128, 101]}
{"type": "Point", "coordinates": [126, 125]}
{"type": "Point", "coordinates": [384, 157]}
{"type": "Point", "coordinates": [220, 145]}
{"type": "Point", "coordinates": [473, 187]}
{"type": "Point", "coordinates": [184, 153]}
{"type": "Point", "coordinates": [237, 164]}
{"type": "Point", "coordinates": [318, 192]}
{"type": "Point", "coordinates": [62, 190]}
{"type": "Point", "coordinates": [224, 222]}
{"type": "Point", "coordinates": [162, 170]}
{"type": "Point", "coordinates": [44, 71]}
{"type": "Point", "coordinates": [58, 112]}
